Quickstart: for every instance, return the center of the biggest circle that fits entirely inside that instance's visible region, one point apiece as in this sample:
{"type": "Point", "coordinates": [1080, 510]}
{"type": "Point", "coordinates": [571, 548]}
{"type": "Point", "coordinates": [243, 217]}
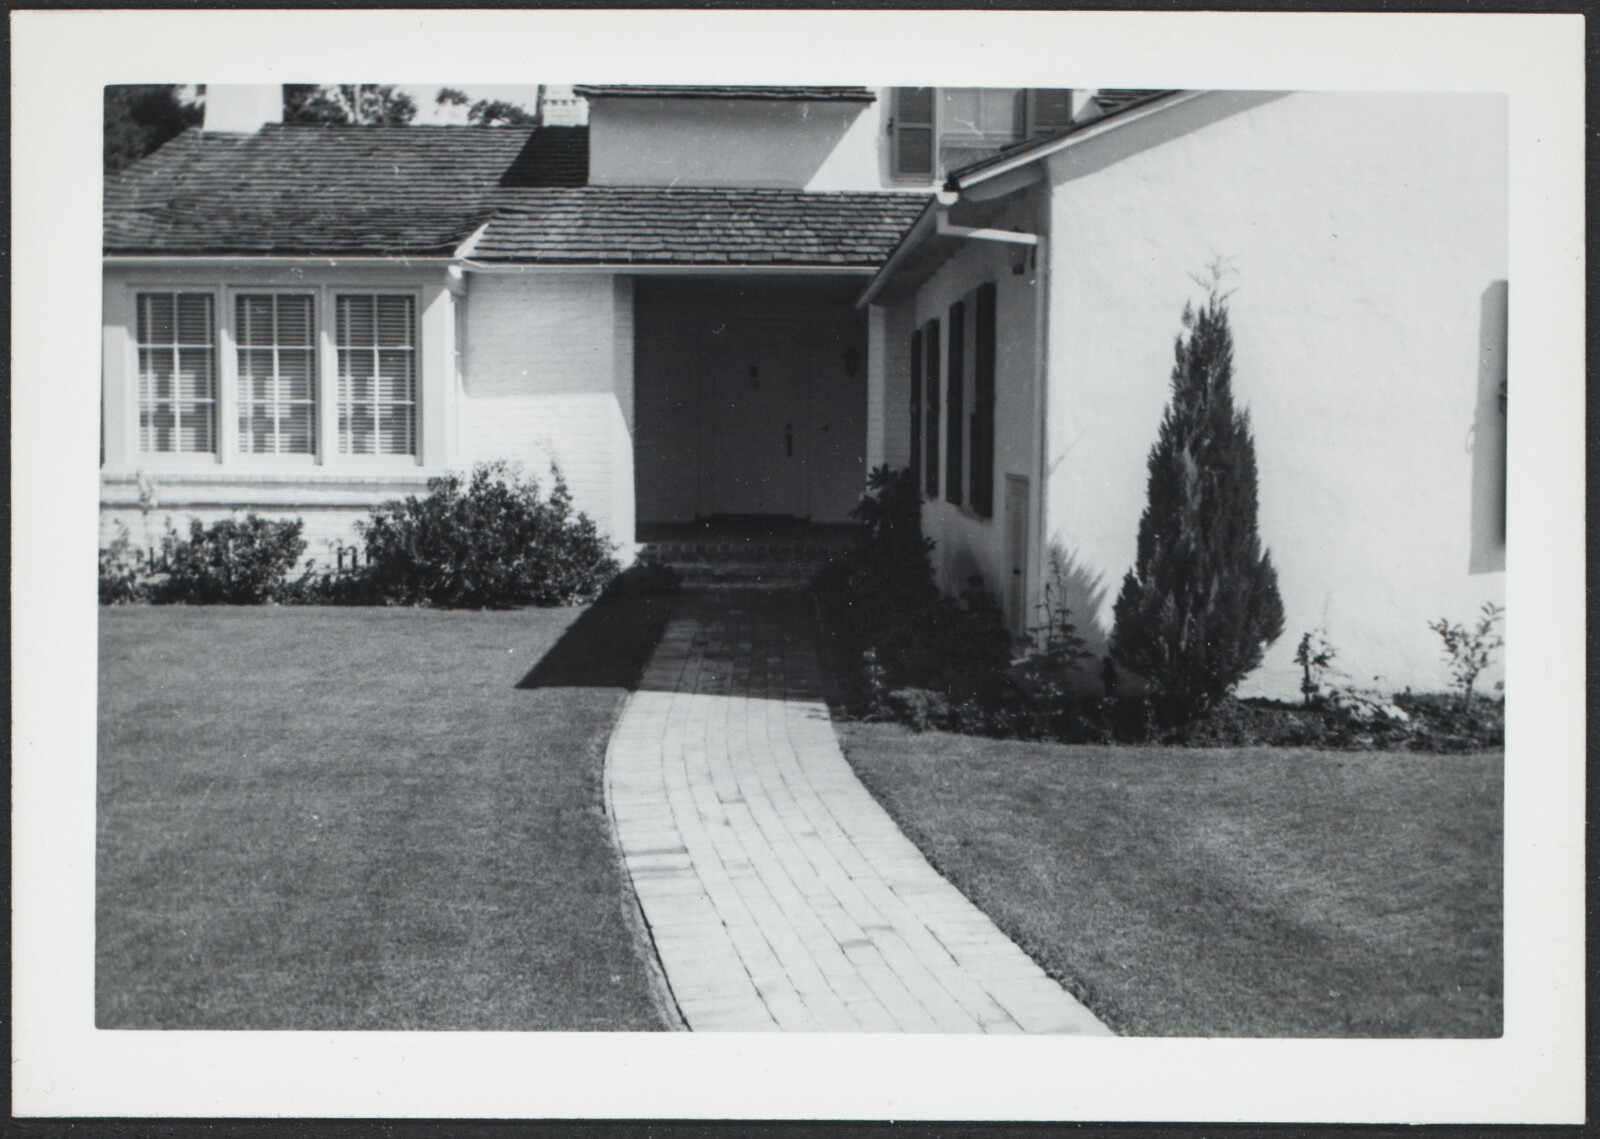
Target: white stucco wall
{"type": "Point", "coordinates": [966, 544]}
{"type": "Point", "coordinates": [548, 378]}
{"type": "Point", "coordinates": [1368, 238]}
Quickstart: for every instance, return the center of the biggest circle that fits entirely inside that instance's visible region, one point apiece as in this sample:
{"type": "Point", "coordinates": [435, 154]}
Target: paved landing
{"type": "Point", "coordinates": [780, 895]}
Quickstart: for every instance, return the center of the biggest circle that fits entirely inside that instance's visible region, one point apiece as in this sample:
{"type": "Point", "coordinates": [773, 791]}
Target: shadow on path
{"type": "Point", "coordinates": [606, 647]}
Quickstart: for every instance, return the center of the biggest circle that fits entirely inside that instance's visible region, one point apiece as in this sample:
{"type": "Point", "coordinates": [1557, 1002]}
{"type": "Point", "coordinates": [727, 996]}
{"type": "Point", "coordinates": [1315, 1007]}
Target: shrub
{"type": "Point", "coordinates": [1470, 651]}
{"type": "Point", "coordinates": [1201, 603]}
{"type": "Point", "coordinates": [229, 562]}
{"type": "Point", "coordinates": [490, 542]}
{"type": "Point", "coordinates": [125, 571]}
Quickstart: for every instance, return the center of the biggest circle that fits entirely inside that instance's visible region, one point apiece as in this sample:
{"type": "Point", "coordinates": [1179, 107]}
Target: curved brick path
{"type": "Point", "coordinates": [780, 895]}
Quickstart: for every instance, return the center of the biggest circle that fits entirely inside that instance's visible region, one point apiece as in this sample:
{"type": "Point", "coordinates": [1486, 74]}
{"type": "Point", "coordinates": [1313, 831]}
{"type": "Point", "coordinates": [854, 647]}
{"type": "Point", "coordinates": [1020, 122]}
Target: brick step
{"type": "Point", "coordinates": [808, 554]}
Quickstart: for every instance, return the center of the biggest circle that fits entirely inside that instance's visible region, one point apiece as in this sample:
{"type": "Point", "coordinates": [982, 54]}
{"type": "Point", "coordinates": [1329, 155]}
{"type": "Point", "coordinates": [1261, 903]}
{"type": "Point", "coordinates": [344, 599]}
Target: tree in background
{"type": "Point", "coordinates": [488, 112]}
{"type": "Point", "coordinates": [1201, 603]}
{"type": "Point", "coordinates": [347, 104]}
{"type": "Point", "coordinates": [140, 118]}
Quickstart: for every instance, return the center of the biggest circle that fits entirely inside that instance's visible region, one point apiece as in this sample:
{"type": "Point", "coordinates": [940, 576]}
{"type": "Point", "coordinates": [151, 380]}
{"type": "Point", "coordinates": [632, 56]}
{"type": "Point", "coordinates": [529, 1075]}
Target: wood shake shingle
{"type": "Point", "coordinates": [421, 191]}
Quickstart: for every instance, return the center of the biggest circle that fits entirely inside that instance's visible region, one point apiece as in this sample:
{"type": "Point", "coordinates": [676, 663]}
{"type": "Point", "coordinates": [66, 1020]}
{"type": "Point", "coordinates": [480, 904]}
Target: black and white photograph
{"type": "Point", "coordinates": [736, 566]}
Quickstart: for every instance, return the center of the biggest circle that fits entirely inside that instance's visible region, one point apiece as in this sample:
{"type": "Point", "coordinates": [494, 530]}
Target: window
{"type": "Point", "coordinates": [956, 404]}
{"type": "Point", "coordinates": [983, 370]}
{"type": "Point", "coordinates": [276, 337]}
{"type": "Point", "coordinates": [377, 342]}
{"type": "Point", "coordinates": [937, 129]}
{"type": "Point", "coordinates": [176, 337]}
{"type": "Point", "coordinates": [930, 401]}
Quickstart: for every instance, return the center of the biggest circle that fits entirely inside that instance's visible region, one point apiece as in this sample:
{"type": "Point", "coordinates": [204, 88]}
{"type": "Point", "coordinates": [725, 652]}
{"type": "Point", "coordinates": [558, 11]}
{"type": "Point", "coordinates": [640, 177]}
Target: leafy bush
{"type": "Point", "coordinates": [125, 571]}
{"type": "Point", "coordinates": [229, 562]}
{"type": "Point", "coordinates": [491, 542]}
{"type": "Point", "coordinates": [1314, 655]}
{"type": "Point", "coordinates": [1201, 603]}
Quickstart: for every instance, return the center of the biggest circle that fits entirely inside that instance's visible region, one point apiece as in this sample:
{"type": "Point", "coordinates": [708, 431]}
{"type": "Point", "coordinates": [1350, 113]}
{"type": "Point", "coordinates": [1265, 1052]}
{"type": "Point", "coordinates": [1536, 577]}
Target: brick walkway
{"type": "Point", "coordinates": [781, 897]}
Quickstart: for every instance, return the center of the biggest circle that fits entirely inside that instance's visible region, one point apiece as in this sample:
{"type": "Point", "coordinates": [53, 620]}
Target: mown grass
{"type": "Point", "coordinates": [363, 819]}
{"type": "Point", "coordinates": [1222, 892]}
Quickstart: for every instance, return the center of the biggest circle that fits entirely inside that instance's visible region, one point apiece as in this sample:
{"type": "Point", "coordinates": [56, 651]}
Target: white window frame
{"type": "Point", "coordinates": [237, 452]}
{"type": "Point", "coordinates": [330, 326]}
{"type": "Point", "coordinates": [228, 453]}
{"type": "Point", "coordinates": [132, 441]}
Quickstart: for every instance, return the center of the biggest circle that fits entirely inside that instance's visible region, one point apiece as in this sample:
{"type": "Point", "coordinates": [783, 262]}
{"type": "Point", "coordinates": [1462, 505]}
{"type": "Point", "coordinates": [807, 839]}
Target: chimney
{"type": "Point", "coordinates": [245, 107]}
{"type": "Point", "coordinates": [560, 106]}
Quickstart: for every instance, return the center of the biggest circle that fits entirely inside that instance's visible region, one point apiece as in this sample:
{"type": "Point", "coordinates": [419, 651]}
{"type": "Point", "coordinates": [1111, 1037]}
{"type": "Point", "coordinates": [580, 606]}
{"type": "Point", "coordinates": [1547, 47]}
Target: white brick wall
{"type": "Point", "coordinates": [538, 334]}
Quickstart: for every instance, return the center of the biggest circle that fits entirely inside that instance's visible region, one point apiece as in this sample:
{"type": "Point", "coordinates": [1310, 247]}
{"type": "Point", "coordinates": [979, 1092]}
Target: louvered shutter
{"type": "Point", "coordinates": [983, 384]}
{"type": "Point", "coordinates": [955, 404]}
{"type": "Point", "coordinates": [1049, 109]}
{"type": "Point", "coordinates": [916, 408]}
{"type": "Point", "coordinates": [930, 401]}
{"type": "Point", "coordinates": [913, 132]}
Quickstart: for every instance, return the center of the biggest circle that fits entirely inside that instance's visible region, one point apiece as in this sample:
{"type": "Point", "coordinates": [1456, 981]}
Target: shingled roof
{"type": "Point", "coordinates": [288, 190]}
{"type": "Point", "coordinates": [682, 226]}
{"type": "Point", "coordinates": [690, 91]}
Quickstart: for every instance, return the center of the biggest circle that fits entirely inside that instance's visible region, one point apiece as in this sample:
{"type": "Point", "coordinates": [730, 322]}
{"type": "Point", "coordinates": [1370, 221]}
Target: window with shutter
{"type": "Point", "coordinates": [916, 408]}
{"type": "Point", "coordinates": [176, 338]}
{"type": "Point", "coordinates": [930, 401]}
{"type": "Point", "coordinates": [912, 130]}
{"type": "Point", "coordinates": [1049, 109]}
{"type": "Point", "coordinates": [276, 341]}
{"type": "Point", "coordinates": [377, 344]}
{"type": "Point", "coordinates": [983, 383]}
{"type": "Point", "coordinates": [955, 400]}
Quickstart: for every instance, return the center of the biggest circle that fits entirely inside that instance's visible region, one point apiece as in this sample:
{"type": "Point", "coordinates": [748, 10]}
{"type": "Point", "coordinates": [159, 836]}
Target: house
{"type": "Point", "coordinates": [1364, 237]}
{"type": "Point", "coordinates": [715, 302]}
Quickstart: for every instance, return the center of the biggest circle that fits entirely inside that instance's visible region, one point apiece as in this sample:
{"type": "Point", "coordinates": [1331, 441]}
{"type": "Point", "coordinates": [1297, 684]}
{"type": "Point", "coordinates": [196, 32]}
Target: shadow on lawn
{"type": "Point", "coordinates": [608, 645]}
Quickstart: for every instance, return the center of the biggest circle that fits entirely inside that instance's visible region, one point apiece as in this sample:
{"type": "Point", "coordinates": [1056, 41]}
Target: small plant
{"type": "Point", "coordinates": [1315, 656]}
{"type": "Point", "coordinates": [1470, 651]}
{"type": "Point", "coordinates": [490, 541]}
{"type": "Point", "coordinates": [125, 571]}
{"type": "Point", "coordinates": [1058, 637]}
{"type": "Point", "coordinates": [230, 562]}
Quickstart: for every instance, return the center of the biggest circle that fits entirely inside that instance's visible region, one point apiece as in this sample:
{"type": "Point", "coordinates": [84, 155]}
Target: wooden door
{"type": "Point", "coordinates": [757, 383]}
{"type": "Point", "coordinates": [1017, 554]}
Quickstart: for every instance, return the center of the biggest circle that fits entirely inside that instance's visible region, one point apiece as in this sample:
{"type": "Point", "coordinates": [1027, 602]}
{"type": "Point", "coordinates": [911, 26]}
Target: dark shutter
{"type": "Point", "coordinates": [912, 127]}
{"type": "Point", "coordinates": [930, 400]}
{"type": "Point", "coordinates": [916, 408]}
{"type": "Point", "coordinates": [983, 367]}
{"type": "Point", "coordinates": [955, 405]}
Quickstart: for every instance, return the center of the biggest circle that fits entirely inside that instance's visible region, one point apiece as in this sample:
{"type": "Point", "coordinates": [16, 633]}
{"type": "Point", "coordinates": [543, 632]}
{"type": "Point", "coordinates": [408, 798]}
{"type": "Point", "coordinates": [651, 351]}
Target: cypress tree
{"type": "Point", "coordinates": [1201, 603]}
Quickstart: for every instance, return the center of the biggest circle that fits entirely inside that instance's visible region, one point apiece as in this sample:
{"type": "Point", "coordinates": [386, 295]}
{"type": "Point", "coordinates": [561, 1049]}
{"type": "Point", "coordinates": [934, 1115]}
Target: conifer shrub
{"type": "Point", "coordinates": [1201, 604]}
{"type": "Point", "coordinates": [489, 541]}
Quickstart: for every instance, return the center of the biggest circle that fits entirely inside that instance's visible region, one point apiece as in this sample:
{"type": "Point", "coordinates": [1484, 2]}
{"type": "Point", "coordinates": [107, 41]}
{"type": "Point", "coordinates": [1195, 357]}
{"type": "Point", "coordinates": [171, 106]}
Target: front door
{"type": "Point", "coordinates": [756, 405]}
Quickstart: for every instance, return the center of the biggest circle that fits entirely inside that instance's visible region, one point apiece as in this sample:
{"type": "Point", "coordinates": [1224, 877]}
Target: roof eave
{"type": "Point", "coordinates": [984, 169]}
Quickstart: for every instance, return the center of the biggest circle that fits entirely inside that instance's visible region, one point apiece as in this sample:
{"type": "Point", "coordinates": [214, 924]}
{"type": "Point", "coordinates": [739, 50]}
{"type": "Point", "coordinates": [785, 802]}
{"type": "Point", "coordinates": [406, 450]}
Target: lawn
{"type": "Point", "coordinates": [365, 819]}
{"type": "Point", "coordinates": [1222, 892]}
